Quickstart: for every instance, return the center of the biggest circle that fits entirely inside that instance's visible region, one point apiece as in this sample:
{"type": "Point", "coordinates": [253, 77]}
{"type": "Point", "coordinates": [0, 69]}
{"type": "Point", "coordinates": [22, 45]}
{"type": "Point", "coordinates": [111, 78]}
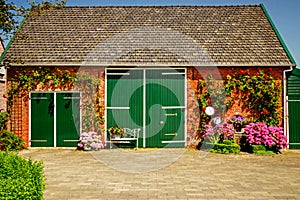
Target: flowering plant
{"type": "Point", "coordinates": [270, 136]}
{"type": "Point", "coordinates": [238, 119]}
{"type": "Point", "coordinates": [89, 141]}
{"type": "Point", "coordinates": [115, 130]}
{"type": "Point", "coordinates": [219, 133]}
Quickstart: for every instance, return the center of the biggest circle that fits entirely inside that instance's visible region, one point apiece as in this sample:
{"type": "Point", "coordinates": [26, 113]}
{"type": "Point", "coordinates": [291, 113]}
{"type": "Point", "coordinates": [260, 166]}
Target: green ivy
{"type": "Point", "coordinates": [27, 81]}
{"type": "Point", "coordinates": [259, 92]}
{"type": "Point", "coordinates": [50, 79]}
{"type": "Point", "coordinates": [92, 109]}
{"type": "Point", "coordinates": [210, 92]}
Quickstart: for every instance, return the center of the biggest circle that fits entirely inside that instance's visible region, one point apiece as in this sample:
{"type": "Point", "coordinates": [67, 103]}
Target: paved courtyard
{"type": "Point", "coordinates": [167, 174]}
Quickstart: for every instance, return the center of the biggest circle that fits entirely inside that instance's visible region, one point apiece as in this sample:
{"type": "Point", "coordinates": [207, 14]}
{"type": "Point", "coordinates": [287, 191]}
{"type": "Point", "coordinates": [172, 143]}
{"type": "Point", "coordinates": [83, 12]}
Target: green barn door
{"type": "Point", "coordinates": [294, 122]}
{"type": "Point", "coordinates": [42, 119]}
{"type": "Point", "coordinates": [125, 99]}
{"type": "Point", "coordinates": [165, 108]}
{"type": "Point", "coordinates": [149, 99]}
{"type": "Point", "coordinates": [67, 119]}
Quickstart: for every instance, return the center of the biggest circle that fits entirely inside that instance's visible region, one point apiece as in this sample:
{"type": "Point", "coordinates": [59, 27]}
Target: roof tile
{"type": "Point", "coordinates": [193, 35]}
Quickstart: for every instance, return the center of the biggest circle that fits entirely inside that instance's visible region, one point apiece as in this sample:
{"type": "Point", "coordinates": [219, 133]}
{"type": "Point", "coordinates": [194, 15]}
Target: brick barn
{"type": "Point", "coordinates": [76, 69]}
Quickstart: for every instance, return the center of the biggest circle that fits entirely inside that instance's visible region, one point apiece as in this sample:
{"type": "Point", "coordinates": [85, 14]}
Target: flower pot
{"type": "Point", "coordinates": [237, 127]}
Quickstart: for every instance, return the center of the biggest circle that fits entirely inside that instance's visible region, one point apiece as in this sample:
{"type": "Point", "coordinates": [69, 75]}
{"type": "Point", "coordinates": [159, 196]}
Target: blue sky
{"type": "Point", "coordinates": [284, 13]}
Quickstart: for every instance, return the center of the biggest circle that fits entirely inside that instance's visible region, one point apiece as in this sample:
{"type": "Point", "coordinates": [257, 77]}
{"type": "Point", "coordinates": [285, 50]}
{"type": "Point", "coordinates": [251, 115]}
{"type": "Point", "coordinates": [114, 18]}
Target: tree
{"type": "Point", "coordinates": [12, 15]}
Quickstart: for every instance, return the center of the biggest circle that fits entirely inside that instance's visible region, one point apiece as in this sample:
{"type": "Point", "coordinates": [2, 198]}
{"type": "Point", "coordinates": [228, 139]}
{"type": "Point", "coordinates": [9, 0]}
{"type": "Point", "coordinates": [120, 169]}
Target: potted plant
{"type": "Point", "coordinates": [238, 122]}
{"type": "Point", "coordinates": [90, 141]}
{"type": "Point", "coordinates": [116, 132]}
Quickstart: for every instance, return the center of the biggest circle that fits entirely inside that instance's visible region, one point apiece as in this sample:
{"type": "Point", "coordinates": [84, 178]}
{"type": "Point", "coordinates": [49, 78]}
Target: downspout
{"type": "Point", "coordinates": [285, 106]}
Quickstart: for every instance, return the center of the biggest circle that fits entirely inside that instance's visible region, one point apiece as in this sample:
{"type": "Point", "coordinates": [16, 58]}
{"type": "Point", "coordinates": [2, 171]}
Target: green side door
{"type": "Point", "coordinates": [67, 119]}
{"type": "Point", "coordinates": [165, 108]}
{"type": "Point", "coordinates": [294, 121]}
{"type": "Point", "coordinates": [55, 119]}
{"type": "Point", "coordinates": [42, 119]}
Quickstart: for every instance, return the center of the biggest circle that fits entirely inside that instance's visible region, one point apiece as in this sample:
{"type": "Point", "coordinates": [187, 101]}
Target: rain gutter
{"type": "Point", "coordinates": [146, 65]}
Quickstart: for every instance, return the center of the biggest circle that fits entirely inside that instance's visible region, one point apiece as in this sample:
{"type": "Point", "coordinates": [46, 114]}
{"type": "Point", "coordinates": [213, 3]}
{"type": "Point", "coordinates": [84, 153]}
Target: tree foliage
{"type": "Point", "coordinates": [11, 15]}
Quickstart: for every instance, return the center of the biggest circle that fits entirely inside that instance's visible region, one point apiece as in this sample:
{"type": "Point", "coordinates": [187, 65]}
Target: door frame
{"type": "Point", "coordinates": [144, 69]}
{"type": "Point", "coordinates": [54, 112]}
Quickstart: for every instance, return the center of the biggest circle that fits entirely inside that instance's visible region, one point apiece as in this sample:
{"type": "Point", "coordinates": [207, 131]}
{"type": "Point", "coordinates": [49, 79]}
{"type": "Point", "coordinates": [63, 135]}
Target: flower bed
{"type": "Point", "coordinates": [259, 138]}
{"type": "Point", "coordinates": [220, 138]}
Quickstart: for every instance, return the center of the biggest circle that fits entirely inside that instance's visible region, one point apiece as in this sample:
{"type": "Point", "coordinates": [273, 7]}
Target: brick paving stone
{"type": "Point", "coordinates": [75, 174]}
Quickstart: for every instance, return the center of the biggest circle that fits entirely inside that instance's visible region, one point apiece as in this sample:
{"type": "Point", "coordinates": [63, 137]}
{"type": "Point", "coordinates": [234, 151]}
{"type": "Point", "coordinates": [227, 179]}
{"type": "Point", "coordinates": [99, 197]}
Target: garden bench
{"type": "Point", "coordinates": [129, 135]}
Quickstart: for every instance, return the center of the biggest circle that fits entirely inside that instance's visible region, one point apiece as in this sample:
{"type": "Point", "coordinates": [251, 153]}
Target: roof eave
{"type": "Point", "coordinates": [278, 35]}
{"type": "Point", "coordinates": [150, 64]}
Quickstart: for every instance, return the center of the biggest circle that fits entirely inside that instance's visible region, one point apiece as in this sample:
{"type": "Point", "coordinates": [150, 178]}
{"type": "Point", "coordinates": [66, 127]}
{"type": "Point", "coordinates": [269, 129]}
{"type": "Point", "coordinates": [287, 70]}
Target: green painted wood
{"type": "Point", "coordinates": [293, 85]}
{"type": "Point", "coordinates": [162, 89]}
{"type": "Point", "coordinates": [42, 119]}
{"type": "Point", "coordinates": [125, 91]}
{"type": "Point", "coordinates": [164, 127]}
{"type": "Point", "coordinates": [67, 119]}
{"type": "Point", "coordinates": [294, 122]}
{"type": "Point", "coordinates": [293, 91]}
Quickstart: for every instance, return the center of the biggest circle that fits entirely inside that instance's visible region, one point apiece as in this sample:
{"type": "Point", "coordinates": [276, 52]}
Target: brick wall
{"type": "Point", "coordinates": [196, 73]}
{"type": "Point", "coordinates": [19, 121]}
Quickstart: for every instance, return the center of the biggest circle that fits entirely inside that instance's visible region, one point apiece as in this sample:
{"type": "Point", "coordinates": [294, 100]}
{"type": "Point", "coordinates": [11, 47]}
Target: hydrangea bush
{"type": "Point", "coordinates": [90, 141]}
{"type": "Point", "coordinates": [270, 136]}
{"type": "Point", "coordinates": [219, 132]}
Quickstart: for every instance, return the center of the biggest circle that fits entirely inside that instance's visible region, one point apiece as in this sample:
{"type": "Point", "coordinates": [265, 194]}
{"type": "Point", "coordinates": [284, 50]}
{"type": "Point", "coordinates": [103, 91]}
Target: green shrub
{"type": "Point", "coordinates": [20, 178]}
{"type": "Point", "coordinates": [261, 149]}
{"type": "Point", "coordinates": [227, 146]}
{"type": "Point", "coordinates": [256, 148]}
{"type": "Point", "coordinates": [9, 141]}
{"type": "Point", "coordinates": [3, 120]}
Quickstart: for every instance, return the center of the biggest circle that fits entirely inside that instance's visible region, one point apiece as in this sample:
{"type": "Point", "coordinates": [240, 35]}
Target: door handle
{"type": "Point", "coordinates": [161, 122]}
{"type": "Point", "coordinates": [171, 134]}
{"type": "Point", "coordinates": [171, 115]}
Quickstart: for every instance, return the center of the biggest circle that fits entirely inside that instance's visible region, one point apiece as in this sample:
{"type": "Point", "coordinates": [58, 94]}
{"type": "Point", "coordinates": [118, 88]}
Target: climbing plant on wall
{"type": "Point", "coordinates": [46, 79]}
{"type": "Point", "coordinates": [37, 79]}
{"type": "Point", "coordinates": [92, 108]}
{"type": "Point", "coordinates": [210, 92]}
{"type": "Point", "coordinates": [259, 92]}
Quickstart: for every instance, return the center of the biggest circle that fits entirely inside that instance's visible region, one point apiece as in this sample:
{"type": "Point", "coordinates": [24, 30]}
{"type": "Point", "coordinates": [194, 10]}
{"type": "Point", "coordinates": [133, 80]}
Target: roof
{"type": "Point", "coordinates": [150, 35]}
